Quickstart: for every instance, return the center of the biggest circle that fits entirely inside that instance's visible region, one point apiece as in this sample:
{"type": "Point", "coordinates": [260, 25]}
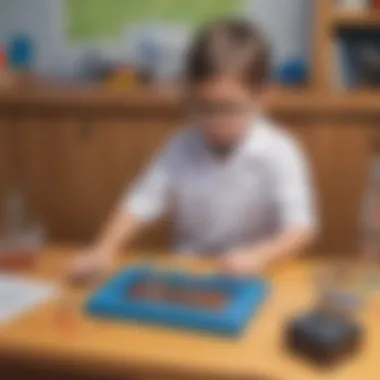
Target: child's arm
{"type": "Point", "coordinates": [254, 258]}
{"type": "Point", "coordinates": [145, 202]}
{"type": "Point", "coordinates": [121, 228]}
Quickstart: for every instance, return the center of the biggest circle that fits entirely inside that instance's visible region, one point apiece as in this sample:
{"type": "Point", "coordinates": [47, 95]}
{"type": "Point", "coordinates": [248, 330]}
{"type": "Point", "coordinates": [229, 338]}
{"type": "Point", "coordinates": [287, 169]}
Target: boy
{"type": "Point", "coordinates": [237, 184]}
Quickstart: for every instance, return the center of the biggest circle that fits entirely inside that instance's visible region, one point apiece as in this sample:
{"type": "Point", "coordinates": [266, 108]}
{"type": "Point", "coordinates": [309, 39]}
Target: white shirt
{"type": "Point", "coordinates": [261, 189]}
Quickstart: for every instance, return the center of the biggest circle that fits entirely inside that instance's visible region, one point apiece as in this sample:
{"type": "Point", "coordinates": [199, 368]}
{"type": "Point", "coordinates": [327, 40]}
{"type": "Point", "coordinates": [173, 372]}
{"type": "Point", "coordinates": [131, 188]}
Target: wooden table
{"type": "Point", "coordinates": [101, 349]}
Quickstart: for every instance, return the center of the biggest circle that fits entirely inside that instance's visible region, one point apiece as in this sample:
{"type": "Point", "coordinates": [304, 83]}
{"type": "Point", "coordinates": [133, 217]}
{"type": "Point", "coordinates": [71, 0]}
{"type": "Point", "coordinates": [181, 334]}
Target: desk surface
{"type": "Point", "coordinates": [132, 347]}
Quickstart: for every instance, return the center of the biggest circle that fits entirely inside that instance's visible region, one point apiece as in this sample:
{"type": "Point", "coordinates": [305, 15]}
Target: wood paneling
{"type": "Point", "coordinates": [5, 154]}
{"type": "Point", "coordinates": [75, 165]}
{"type": "Point", "coordinates": [73, 170]}
{"type": "Point", "coordinates": [322, 46]}
{"type": "Point", "coordinates": [339, 155]}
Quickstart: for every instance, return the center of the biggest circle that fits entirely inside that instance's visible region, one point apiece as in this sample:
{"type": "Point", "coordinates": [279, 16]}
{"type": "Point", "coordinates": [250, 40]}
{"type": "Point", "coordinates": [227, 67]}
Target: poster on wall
{"type": "Point", "coordinates": [108, 19]}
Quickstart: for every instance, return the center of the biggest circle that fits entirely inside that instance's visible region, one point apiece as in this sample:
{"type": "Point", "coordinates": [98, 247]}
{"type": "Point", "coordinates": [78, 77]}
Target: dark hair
{"type": "Point", "coordinates": [230, 46]}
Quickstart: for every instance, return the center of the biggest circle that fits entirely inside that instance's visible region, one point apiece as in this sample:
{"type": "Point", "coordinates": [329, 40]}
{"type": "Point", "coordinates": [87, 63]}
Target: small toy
{"type": "Point", "coordinates": [210, 303]}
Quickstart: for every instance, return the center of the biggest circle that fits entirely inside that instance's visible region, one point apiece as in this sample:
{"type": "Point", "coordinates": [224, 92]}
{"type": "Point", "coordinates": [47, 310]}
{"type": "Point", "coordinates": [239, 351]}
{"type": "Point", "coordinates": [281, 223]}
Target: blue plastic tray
{"type": "Point", "coordinates": [244, 298]}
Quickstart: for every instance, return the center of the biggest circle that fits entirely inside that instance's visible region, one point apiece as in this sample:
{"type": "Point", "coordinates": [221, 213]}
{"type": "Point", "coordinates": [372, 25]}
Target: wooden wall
{"type": "Point", "coordinates": [74, 162]}
{"type": "Point", "coordinates": [340, 152]}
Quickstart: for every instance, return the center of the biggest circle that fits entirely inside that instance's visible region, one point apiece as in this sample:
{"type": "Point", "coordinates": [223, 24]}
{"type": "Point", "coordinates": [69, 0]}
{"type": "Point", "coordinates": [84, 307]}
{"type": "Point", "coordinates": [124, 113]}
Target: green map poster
{"type": "Point", "coordinates": [107, 19]}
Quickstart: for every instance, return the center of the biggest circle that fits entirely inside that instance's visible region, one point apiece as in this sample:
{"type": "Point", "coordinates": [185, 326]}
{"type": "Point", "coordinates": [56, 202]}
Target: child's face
{"type": "Point", "coordinates": [223, 107]}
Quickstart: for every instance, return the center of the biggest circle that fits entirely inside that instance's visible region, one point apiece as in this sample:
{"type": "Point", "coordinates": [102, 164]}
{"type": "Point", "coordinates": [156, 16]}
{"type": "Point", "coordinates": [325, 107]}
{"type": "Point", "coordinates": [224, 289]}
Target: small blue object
{"type": "Point", "coordinates": [20, 52]}
{"type": "Point", "coordinates": [244, 297]}
{"type": "Point", "coordinates": [292, 72]}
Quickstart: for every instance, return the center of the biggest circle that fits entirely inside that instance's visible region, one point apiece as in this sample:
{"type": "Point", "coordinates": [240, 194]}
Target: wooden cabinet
{"type": "Point", "coordinates": [340, 155]}
{"type": "Point", "coordinates": [73, 169]}
{"type": "Point", "coordinates": [74, 162]}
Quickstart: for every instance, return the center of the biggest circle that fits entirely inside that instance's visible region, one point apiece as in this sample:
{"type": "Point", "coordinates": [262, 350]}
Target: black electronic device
{"type": "Point", "coordinates": [329, 333]}
{"type": "Point", "coordinates": [324, 339]}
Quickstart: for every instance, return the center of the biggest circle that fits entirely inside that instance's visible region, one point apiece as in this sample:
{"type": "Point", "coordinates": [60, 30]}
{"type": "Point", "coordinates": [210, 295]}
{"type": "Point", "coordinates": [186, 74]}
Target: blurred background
{"type": "Point", "coordinates": [90, 88]}
{"type": "Point", "coordinates": [66, 34]}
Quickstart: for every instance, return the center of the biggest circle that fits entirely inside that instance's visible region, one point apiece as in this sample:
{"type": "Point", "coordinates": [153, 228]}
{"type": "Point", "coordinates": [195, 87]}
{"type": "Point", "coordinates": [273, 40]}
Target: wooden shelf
{"type": "Point", "coordinates": [159, 100]}
{"type": "Point", "coordinates": [356, 18]}
{"type": "Point", "coordinates": [366, 102]}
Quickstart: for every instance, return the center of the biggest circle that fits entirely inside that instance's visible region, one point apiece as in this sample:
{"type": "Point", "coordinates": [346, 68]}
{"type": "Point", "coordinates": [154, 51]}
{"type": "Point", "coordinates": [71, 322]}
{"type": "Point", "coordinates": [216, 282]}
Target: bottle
{"type": "Point", "coordinates": [13, 218]}
{"type": "Point", "coordinates": [20, 240]}
{"type": "Point", "coordinates": [3, 59]}
{"type": "Point", "coordinates": [3, 64]}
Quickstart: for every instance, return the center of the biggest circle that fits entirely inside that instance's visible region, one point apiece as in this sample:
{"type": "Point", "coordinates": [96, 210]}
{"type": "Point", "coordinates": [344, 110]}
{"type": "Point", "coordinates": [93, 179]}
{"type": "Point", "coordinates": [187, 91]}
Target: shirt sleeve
{"type": "Point", "coordinates": [148, 196]}
{"type": "Point", "coordinates": [293, 188]}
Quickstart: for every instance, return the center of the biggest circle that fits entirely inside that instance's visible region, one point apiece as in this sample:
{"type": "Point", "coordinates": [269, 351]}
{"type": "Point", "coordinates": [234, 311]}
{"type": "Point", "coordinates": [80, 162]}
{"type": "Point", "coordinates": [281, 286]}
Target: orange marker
{"type": "Point", "coordinates": [65, 314]}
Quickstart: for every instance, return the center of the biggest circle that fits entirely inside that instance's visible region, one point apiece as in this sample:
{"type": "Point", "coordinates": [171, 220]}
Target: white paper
{"type": "Point", "coordinates": [18, 295]}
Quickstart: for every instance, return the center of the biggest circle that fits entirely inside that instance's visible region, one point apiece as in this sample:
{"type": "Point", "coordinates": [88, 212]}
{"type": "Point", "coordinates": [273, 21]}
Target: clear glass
{"type": "Point", "coordinates": [20, 239]}
{"type": "Point", "coordinates": [338, 293]}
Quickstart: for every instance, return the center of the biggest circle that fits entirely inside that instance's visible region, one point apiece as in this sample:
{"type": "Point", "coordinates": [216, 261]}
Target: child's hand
{"type": "Point", "coordinates": [244, 262]}
{"type": "Point", "coordinates": [90, 266]}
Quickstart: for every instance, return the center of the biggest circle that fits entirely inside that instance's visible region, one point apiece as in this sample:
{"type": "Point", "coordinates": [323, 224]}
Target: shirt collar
{"type": "Point", "coordinates": [252, 143]}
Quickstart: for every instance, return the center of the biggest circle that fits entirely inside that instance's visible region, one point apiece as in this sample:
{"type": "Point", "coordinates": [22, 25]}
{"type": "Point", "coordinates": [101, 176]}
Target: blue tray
{"type": "Point", "coordinates": [244, 298]}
